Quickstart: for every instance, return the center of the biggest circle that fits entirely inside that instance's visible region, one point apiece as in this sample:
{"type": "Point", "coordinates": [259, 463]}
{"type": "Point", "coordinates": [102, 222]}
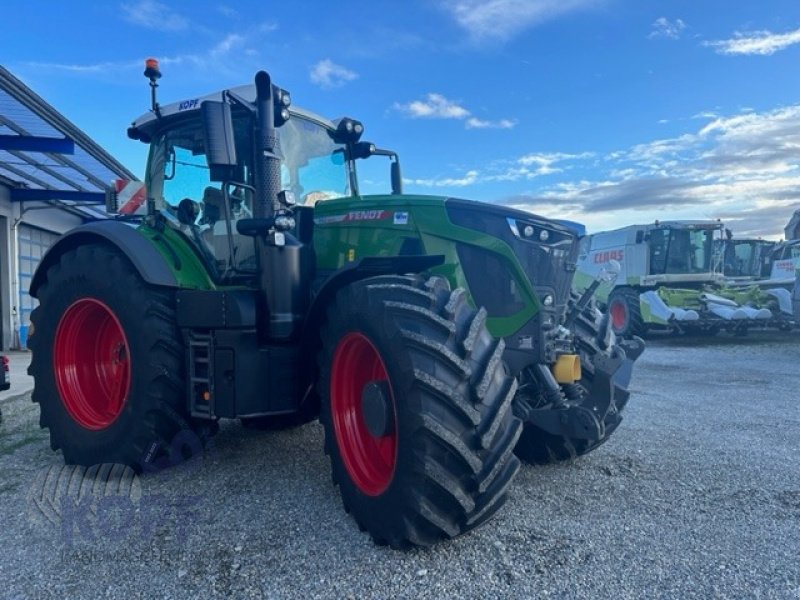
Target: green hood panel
{"type": "Point", "coordinates": [350, 228]}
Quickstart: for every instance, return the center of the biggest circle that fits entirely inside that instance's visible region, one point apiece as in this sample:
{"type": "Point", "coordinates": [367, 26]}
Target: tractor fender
{"type": "Point", "coordinates": [355, 271]}
{"type": "Point", "coordinates": [144, 257]}
{"type": "Point", "coordinates": [310, 342]}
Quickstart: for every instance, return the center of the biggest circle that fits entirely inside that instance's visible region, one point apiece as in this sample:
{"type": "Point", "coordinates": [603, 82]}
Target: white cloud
{"type": "Point", "coordinates": [743, 168]}
{"type": "Point", "coordinates": [229, 42]}
{"type": "Point", "coordinates": [527, 167]}
{"type": "Point", "coordinates": [328, 74]}
{"type": "Point", "coordinates": [476, 123]}
{"type": "Point", "coordinates": [94, 68]}
{"type": "Point", "coordinates": [437, 106]}
{"type": "Point", "coordinates": [536, 164]}
{"type": "Point", "coordinates": [469, 178]}
{"type": "Point", "coordinates": [228, 11]}
{"type": "Point", "coordinates": [664, 28]}
{"type": "Point", "coordinates": [758, 42]}
{"type": "Point", "coordinates": [502, 19]}
{"type": "Point", "coordinates": [208, 62]}
{"type": "Point", "coordinates": [747, 164]}
{"type": "Point", "coordinates": [153, 15]}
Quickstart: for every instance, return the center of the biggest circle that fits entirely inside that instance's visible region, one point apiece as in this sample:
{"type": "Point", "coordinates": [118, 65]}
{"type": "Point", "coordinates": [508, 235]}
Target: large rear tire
{"type": "Point", "coordinates": [537, 446]}
{"type": "Point", "coordinates": [625, 312]}
{"type": "Point", "coordinates": [108, 365]}
{"type": "Point", "coordinates": [416, 406]}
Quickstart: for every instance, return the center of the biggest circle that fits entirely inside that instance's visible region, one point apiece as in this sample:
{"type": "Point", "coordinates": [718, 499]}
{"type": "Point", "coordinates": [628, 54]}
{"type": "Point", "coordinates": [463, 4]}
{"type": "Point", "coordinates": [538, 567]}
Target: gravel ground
{"type": "Point", "coordinates": [696, 495]}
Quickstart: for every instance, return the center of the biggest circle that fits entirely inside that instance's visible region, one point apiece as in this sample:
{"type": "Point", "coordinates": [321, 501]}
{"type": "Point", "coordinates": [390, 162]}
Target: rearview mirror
{"type": "Point", "coordinates": [220, 146]}
{"type": "Point", "coordinates": [397, 179]}
{"type": "Point", "coordinates": [169, 166]}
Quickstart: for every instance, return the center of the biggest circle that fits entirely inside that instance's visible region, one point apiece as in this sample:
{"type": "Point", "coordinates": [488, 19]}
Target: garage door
{"type": "Point", "coordinates": [33, 243]}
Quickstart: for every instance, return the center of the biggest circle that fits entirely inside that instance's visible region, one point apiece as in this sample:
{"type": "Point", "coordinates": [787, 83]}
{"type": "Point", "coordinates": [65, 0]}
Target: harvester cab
{"type": "Point", "coordinates": [248, 278]}
{"type": "Point", "coordinates": [785, 261]}
{"type": "Point", "coordinates": [745, 259]}
{"type": "Point", "coordinates": [772, 267]}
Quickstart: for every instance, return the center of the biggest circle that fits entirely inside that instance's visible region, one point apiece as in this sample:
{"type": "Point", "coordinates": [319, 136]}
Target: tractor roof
{"type": "Point", "coordinates": [149, 122]}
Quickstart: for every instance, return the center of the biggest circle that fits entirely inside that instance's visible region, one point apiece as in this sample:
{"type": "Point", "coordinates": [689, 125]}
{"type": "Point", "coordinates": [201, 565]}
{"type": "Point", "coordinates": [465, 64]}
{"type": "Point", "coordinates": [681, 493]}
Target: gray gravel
{"type": "Point", "coordinates": [696, 495]}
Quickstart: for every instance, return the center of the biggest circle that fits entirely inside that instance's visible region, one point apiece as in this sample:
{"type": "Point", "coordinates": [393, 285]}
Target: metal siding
{"type": "Point", "coordinates": [33, 243]}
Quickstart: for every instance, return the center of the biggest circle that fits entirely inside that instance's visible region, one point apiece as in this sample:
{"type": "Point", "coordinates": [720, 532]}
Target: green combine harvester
{"type": "Point", "coordinates": [247, 278]}
{"type": "Point", "coordinates": [672, 279]}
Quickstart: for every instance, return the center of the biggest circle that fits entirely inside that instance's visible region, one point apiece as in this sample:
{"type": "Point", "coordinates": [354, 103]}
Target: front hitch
{"type": "Point", "coordinates": [579, 412]}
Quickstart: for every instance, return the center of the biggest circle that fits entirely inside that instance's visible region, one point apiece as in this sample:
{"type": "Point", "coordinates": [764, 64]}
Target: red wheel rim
{"type": "Point", "coordinates": [91, 362]}
{"type": "Point", "coordinates": [619, 315]}
{"type": "Point", "coordinates": [369, 460]}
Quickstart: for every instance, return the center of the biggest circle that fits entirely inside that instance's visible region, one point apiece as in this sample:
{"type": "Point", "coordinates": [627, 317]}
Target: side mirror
{"type": "Point", "coordinates": [397, 179]}
{"type": "Point", "coordinates": [639, 236]}
{"type": "Point", "coordinates": [169, 167]}
{"type": "Point", "coordinates": [220, 146]}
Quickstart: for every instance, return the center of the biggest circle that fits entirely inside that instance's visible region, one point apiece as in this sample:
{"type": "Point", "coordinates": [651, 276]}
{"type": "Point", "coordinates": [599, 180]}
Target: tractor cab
{"type": "Point", "coordinates": [212, 199]}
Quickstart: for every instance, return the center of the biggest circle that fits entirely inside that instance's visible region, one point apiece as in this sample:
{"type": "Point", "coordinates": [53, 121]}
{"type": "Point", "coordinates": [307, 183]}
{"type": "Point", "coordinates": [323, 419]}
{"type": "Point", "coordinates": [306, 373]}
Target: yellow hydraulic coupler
{"type": "Point", "coordinates": [567, 369]}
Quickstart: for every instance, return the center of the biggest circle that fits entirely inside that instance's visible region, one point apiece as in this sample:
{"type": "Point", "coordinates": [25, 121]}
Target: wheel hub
{"type": "Point", "coordinates": [619, 315]}
{"type": "Point", "coordinates": [376, 407]}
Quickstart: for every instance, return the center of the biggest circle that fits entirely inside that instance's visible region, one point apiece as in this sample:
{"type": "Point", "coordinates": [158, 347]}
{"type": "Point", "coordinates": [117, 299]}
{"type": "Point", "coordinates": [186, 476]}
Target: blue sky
{"type": "Point", "coordinates": [609, 112]}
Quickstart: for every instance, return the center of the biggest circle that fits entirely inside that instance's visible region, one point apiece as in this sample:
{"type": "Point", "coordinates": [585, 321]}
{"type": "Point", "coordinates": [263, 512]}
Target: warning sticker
{"type": "Point", "coordinates": [401, 218]}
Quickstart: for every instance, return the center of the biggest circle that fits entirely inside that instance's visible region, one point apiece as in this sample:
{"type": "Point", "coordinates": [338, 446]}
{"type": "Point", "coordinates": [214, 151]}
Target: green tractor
{"type": "Point", "coordinates": [247, 278]}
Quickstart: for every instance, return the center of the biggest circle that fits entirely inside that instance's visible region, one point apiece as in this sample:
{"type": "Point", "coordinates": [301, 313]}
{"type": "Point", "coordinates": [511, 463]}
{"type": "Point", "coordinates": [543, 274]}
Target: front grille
{"type": "Point", "coordinates": [549, 265]}
{"type": "Point", "coordinates": [490, 282]}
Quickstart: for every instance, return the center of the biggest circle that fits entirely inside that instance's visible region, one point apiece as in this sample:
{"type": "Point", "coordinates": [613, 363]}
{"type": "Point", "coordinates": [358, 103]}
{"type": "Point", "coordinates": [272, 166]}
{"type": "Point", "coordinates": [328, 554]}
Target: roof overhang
{"type": "Point", "coordinates": [45, 158]}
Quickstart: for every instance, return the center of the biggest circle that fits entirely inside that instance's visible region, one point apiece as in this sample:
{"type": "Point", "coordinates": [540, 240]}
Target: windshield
{"type": "Point", "coordinates": [739, 258]}
{"type": "Point", "coordinates": [178, 179]}
{"type": "Point", "coordinates": [313, 166]}
{"type": "Point", "coordinates": [680, 251]}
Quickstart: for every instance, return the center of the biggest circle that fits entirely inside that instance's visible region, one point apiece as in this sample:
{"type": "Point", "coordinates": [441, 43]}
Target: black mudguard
{"type": "Point", "coordinates": [355, 271]}
{"type": "Point", "coordinates": [149, 263]}
{"type": "Point", "coordinates": [325, 293]}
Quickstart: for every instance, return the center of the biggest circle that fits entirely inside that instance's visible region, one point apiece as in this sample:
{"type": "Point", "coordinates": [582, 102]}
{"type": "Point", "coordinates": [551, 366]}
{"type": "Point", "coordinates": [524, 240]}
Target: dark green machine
{"type": "Point", "coordinates": [248, 278]}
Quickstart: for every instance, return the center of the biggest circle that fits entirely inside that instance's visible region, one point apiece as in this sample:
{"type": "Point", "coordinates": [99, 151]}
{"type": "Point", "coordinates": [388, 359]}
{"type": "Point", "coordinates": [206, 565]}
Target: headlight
{"type": "Point", "coordinates": [538, 232]}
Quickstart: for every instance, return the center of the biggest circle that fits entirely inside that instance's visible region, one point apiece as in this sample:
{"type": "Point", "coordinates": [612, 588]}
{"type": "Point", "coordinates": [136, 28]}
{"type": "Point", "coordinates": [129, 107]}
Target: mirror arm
{"type": "Point", "coordinates": [237, 100]}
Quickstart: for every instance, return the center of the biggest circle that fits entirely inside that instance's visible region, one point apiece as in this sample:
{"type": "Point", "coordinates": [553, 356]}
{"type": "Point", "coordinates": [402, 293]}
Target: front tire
{"type": "Point", "coordinates": [416, 406]}
{"type": "Point", "coordinates": [625, 312]}
{"type": "Point", "coordinates": [108, 365]}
